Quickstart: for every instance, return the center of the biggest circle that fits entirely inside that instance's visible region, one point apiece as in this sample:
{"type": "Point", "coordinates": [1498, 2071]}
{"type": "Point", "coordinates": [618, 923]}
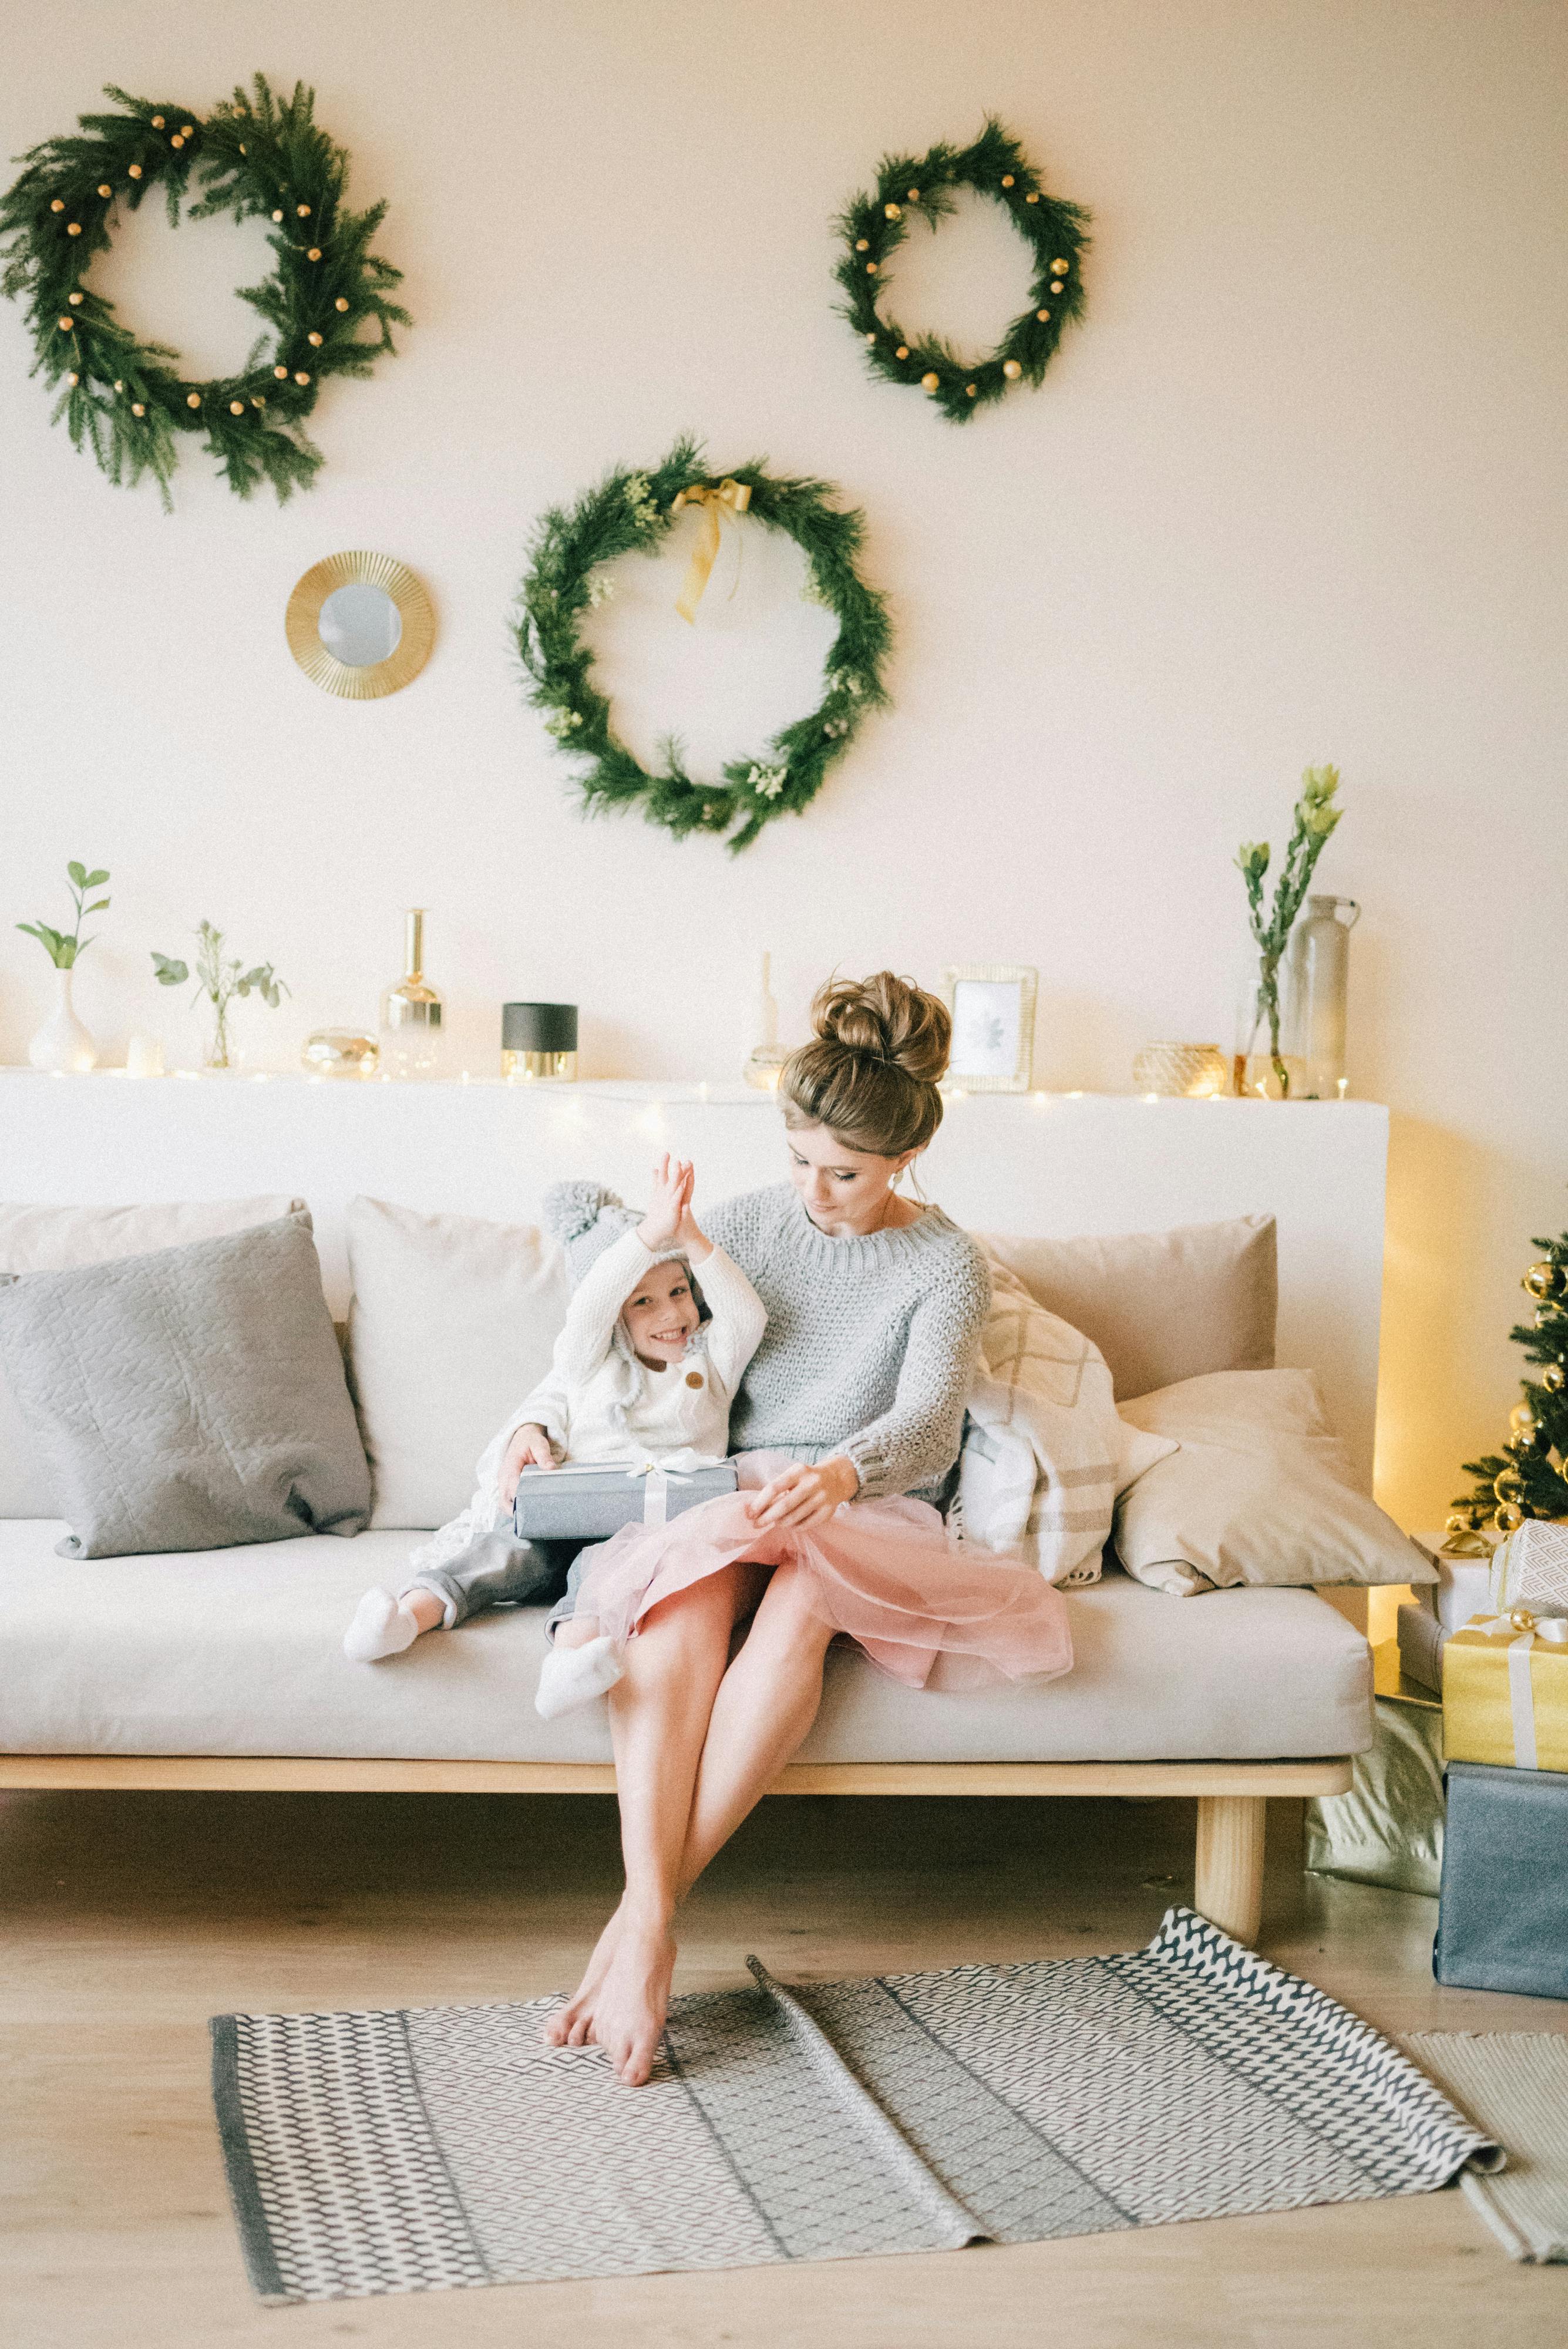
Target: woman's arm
{"type": "Point", "coordinates": [916, 1439]}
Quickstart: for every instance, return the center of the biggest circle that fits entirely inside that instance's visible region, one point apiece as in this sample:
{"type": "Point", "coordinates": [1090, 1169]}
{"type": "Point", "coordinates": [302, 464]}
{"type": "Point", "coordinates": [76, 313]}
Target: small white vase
{"type": "Point", "coordinates": [62, 1042]}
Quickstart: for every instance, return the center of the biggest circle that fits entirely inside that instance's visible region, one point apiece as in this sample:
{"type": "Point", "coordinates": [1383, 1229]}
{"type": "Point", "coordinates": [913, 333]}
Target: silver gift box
{"type": "Point", "coordinates": [590, 1503]}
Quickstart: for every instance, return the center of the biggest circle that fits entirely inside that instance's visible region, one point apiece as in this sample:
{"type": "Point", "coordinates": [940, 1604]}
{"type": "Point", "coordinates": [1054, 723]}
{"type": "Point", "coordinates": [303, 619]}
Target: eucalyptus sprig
{"type": "Point", "coordinates": [62, 950]}
{"type": "Point", "coordinates": [220, 979]}
{"type": "Point", "coordinates": [1315, 818]}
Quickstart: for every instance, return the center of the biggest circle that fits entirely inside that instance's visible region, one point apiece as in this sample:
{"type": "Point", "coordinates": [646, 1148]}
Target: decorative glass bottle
{"type": "Point", "coordinates": [411, 1037]}
{"type": "Point", "coordinates": [766, 1057]}
{"type": "Point", "coordinates": [1320, 977]}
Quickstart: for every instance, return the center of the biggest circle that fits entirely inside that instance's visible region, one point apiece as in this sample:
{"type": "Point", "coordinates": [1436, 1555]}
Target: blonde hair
{"type": "Point", "coordinates": [869, 1074]}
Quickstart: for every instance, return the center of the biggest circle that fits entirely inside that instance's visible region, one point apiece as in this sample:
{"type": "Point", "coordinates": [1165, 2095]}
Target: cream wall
{"type": "Point", "coordinates": [1293, 491]}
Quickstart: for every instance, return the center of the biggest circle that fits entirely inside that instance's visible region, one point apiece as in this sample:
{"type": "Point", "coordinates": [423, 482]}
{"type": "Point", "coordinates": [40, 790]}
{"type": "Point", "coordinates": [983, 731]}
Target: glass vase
{"type": "Point", "coordinates": [1257, 1071]}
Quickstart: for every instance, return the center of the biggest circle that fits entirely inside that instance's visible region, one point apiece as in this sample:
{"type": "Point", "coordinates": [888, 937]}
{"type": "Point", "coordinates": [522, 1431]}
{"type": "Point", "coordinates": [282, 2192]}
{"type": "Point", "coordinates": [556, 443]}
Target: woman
{"type": "Point", "coordinates": [875, 1307]}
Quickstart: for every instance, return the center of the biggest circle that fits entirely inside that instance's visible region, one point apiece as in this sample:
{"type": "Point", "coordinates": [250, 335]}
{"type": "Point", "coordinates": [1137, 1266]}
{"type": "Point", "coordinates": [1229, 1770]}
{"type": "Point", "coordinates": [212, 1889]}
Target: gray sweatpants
{"type": "Point", "coordinates": [498, 1569]}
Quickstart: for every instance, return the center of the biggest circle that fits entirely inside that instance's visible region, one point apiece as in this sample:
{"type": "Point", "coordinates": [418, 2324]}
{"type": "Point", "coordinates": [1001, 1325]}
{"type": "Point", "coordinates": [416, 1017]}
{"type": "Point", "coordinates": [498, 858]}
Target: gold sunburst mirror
{"type": "Point", "coordinates": [360, 625]}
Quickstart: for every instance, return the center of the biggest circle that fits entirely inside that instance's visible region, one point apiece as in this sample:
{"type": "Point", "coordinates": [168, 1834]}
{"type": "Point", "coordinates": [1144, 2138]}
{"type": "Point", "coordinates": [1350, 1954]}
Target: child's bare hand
{"type": "Point", "coordinates": [529, 1448]}
{"type": "Point", "coordinates": [671, 1198]}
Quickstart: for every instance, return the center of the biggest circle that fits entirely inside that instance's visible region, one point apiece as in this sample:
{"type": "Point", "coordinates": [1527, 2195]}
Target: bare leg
{"type": "Point", "coordinates": [426, 1608]}
{"type": "Point", "coordinates": [658, 1718]}
{"type": "Point", "coordinates": [577, 1632]}
{"type": "Point", "coordinates": [767, 1702]}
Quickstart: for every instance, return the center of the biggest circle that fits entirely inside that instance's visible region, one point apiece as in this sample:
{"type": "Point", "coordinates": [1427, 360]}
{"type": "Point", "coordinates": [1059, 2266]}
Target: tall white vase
{"type": "Point", "coordinates": [62, 1042]}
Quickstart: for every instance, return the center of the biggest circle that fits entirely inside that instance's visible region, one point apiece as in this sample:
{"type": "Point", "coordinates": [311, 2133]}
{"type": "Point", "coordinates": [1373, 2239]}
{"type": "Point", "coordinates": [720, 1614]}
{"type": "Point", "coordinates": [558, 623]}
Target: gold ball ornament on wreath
{"type": "Point", "coordinates": [134, 171]}
{"type": "Point", "coordinates": [105, 189]}
{"type": "Point", "coordinates": [136, 408]}
{"type": "Point", "coordinates": [1012, 370]}
{"type": "Point", "coordinates": [315, 253]}
{"type": "Point", "coordinates": [57, 204]}
{"type": "Point", "coordinates": [930, 383]}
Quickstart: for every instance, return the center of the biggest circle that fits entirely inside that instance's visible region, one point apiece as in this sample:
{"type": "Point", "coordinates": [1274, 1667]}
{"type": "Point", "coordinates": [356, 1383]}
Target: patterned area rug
{"type": "Point", "coordinates": [406, 2152]}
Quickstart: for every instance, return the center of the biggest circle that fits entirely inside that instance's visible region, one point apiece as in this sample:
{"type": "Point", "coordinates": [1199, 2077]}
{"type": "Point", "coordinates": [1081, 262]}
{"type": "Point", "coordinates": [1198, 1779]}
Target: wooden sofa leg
{"type": "Point", "coordinates": [1228, 1889]}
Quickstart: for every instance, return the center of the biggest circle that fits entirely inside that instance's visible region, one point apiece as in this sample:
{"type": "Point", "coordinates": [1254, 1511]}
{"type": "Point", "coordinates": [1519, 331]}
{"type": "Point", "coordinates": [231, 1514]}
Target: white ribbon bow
{"type": "Point", "coordinates": [1522, 1629]}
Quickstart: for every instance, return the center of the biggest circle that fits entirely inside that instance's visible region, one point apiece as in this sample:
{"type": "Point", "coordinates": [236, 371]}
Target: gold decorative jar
{"type": "Point", "coordinates": [539, 1043]}
{"type": "Point", "coordinates": [339, 1053]}
{"type": "Point", "coordinates": [1193, 1071]}
{"type": "Point", "coordinates": [411, 1039]}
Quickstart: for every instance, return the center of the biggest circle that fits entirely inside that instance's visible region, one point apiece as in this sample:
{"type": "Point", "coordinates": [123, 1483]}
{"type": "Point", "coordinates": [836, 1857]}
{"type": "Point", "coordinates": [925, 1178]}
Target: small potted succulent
{"type": "Point", "coordinates": [62, 1043]}
{"type": "Point", "coordinates": [220, 979]}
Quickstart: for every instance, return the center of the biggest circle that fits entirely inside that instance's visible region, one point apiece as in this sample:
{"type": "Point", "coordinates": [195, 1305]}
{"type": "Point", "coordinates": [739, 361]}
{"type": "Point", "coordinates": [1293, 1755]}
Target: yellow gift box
{"type": "Point", "coordinates": [1505, 1692]}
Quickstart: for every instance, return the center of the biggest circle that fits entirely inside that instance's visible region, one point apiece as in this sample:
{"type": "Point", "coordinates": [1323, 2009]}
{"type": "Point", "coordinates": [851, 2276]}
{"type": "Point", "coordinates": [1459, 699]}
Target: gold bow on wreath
{"type": "Point", "coordinates": [712, 498]}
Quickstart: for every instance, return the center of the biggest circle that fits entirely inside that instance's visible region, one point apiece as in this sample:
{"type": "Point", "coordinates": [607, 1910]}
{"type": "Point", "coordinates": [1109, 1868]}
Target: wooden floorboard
{"type": "Point", "coordinates": [126, 1920]}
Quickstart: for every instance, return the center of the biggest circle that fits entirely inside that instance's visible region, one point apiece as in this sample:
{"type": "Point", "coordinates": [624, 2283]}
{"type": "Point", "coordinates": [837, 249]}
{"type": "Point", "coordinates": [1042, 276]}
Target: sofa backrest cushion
{"type": "Point", "coordinates": [56, 1239]}
{"type": "Point", "coordinates": [453, 1322]}
{"type": "Point", "coordinates": [1160, 1306]}
{"type": "Point", "coordinates": [191, 1399]}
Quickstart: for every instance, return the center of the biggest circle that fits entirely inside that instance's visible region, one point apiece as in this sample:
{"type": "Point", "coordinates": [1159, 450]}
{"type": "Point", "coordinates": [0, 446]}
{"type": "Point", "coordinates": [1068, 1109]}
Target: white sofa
{"type": "Point", "coordinates": [224, 1668]}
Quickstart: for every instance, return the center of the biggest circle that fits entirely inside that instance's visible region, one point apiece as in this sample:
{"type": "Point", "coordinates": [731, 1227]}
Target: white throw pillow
{"type": "Point", "coordinates": [452, 1322]}
{"type": "Point", "coordinates": [1045, 1452]}
{"type": "Point", "coordinates": [1260, 1491]}
{"type": "Point", "coordinates": [62, 1240]}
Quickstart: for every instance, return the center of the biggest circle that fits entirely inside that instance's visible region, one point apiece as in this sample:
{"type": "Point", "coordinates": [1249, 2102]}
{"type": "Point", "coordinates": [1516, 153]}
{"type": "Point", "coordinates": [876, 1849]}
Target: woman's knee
{"type": "Point", "coordinates": [704, 1611]}
{"type": "Point", "coordinates": [788, 1613]}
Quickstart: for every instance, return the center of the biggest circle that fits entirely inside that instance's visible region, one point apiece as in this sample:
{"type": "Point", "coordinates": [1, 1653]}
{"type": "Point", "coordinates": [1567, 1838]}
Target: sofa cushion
{"type": "Point", "coordinates": [1160, 1306]}
{"type": "Point", "coordinates": [191, 1397]}
{"type": "Point", "coordinates": [53, 1239]}
{"type": "Point", "coordinates": [452, 1324]}
{"type": "Point", "coordinates": [239, 1652]}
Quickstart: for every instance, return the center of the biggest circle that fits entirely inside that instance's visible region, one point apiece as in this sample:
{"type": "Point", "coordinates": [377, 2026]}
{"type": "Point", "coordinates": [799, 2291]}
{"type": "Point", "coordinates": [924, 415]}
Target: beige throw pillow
{"type": "Point", "coordinates": [453, 1322]}
{"type": "Point", "coordinates": [1260, 1491]}
{"type": "Point", "coordinates": [1160, 1306]}
{"type": "Point", "coordinates": [62, 1240]}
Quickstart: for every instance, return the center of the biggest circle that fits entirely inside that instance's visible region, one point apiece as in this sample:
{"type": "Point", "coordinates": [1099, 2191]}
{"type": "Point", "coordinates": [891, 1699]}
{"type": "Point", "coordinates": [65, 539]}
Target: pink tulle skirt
{"type": "Point", "coordinates": [886, 1573]}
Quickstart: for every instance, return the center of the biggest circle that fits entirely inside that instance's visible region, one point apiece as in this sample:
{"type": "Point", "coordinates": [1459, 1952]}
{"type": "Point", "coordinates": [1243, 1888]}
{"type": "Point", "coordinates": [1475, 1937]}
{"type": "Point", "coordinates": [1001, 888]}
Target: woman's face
{"type": "Point", "coordinates": [661, 1315]}
{"type": "Point", "coordinates": [843, 1191]}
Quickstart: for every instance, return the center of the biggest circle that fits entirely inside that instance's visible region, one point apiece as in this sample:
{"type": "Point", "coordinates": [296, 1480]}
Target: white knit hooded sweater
{"type": "Point", "coordinates": [870, 1343]}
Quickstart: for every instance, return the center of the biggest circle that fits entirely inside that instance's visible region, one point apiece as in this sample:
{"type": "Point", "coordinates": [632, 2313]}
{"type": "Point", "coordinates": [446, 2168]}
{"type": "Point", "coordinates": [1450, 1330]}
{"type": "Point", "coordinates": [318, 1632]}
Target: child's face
{"type": "Point", "coordinates": [660, 1314]}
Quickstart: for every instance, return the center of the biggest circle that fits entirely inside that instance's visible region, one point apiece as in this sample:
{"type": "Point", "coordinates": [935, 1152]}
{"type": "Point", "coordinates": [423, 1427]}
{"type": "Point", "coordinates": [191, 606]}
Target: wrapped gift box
{"type": "Point", "coordinates": [1464, 1584]}
{"type": "Point", "coordinates": [590, 1502]}
{"type": "Point", "coordinates": [1388, 1829]}
{"type": "Point", "coordinates": [1531, 1569]}
{"type": "Point", "coordinates": [1422, 1639]}
{"type": "Point", "coordinates": [1503, 1923]}
{"type": "Point", "coordinates": [1505, 1692]}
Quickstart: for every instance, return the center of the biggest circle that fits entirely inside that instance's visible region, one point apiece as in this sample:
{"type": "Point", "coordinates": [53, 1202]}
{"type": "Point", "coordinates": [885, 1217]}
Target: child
{"type": "Point", "coordinates": [645, 1369]}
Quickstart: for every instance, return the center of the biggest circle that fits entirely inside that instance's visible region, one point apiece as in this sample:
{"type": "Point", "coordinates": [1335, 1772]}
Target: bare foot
{"type": "Point", "coordinates": [571, 2025]}
{"type": "Point", "coordinates": [633, 1999]}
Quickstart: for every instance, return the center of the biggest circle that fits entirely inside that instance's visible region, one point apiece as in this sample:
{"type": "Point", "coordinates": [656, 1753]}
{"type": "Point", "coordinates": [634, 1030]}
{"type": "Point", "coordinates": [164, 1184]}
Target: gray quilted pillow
{"type": "Point", "coordinates": [192, 1399]}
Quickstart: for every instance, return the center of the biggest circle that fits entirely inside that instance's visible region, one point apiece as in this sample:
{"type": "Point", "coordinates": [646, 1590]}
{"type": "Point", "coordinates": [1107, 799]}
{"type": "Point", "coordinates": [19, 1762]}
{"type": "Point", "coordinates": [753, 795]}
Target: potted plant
{"type": "Point", "coordinates": [62, 1042]}
{"type": "Point", "coordinates": [220, 980]}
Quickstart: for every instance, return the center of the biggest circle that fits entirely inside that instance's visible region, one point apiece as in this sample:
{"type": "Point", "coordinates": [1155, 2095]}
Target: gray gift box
{"type": "Point", "coordinates": [590, 1503]}
{"type": "Point", "coordinates": [1502, 1922]}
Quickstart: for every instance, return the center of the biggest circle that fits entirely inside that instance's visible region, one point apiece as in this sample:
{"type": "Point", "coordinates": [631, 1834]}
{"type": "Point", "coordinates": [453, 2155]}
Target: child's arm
{"type": "Point", "coordinates": [583, 1344]}
{"type": "Point", "coordinates": [737, 1315]}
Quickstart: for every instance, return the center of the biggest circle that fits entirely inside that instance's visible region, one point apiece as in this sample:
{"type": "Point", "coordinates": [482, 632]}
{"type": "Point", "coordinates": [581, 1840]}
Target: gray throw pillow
{"type": "Point", "coordinates": [192, 1399]}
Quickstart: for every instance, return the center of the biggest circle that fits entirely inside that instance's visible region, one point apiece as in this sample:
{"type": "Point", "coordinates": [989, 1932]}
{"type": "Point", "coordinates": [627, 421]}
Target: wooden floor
{"type": "Point", "coordinates": [127, 1919]}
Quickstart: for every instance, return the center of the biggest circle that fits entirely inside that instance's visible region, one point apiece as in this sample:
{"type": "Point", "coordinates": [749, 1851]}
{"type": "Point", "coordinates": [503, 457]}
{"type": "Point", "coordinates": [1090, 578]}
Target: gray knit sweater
{"type": "Point", "coordinates": [870, 1343]}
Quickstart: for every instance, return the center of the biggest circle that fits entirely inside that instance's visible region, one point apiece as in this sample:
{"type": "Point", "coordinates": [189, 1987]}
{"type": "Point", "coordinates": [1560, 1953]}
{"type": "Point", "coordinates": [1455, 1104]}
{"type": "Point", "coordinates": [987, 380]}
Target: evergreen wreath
{"type": "Point", "coordinates": [257, 158]}
{"type": "Point", "coordinates": [637, 510]}
{"type": "Point", "coordinates": [909, 188]}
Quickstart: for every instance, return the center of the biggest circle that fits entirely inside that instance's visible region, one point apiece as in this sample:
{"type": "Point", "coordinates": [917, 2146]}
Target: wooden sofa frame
{"type": "Point", "coordinates": [1233, 1796]}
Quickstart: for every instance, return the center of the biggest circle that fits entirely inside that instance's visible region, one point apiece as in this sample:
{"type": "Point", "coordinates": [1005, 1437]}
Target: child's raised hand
{"type": "Point", "coordinates": [671, 1198]}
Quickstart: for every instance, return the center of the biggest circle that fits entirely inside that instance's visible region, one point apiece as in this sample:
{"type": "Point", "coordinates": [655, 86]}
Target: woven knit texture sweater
{"type": "Point", "coordinates": [869, 1343]}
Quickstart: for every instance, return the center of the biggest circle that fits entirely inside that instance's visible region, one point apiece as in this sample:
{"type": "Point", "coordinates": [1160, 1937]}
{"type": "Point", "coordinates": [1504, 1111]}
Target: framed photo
{"type": "Point", "coordinates": [993, 1007]}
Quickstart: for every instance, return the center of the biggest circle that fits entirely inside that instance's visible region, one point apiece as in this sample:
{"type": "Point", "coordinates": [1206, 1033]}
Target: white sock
{"type": "Point", "coordinates": [380, 1628]}
{"type": "Point", "coordinates": [573, 1676]}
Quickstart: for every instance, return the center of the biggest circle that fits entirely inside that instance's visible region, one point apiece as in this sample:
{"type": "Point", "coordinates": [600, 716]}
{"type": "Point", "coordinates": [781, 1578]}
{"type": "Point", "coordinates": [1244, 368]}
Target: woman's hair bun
{"type": "Point", "coordinates": [892, 1019]}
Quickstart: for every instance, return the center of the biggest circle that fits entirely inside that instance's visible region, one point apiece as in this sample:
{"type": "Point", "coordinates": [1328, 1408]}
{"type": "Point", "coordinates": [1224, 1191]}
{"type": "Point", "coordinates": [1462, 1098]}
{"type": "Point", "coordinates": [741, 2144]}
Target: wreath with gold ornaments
{"type": "Point", "coordinates": [630, 511]}
{"type": "Point", "coordinates": [253, 157]}
{"type": "Point", "coordinates": [923, 188]}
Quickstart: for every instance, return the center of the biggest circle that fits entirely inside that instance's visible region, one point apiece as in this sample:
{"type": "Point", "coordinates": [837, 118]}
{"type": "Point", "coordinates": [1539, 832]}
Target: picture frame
{"type": "Point", "coordinates": [993, 1009]}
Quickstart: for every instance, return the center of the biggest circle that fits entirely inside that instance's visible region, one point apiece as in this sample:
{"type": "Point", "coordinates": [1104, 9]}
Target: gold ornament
{"type": "Point", "coordinates": [871, 338]}
{"type": "Point", "coordinates": [1509, 1485]}
{"type": "Point", "coordinates": [970, 390]}
{"type": "Point", "coordinates": [315, 253]}
{"type": "Point", "coordinates": [237, 408]}
{"type": "Point", "coordinates": [73, 299]}
{"type": "Point", "coordinates": [341, 303]}
{"type": "Point", "coordinates": [73, 380]}
{"type": "Point", "coordinates": [912, 195]}
{"type": "Point", "coordinates": [1508, 1519]}
{"type": "Point", "coordinates": [1523, 1419]}
{"type": "Point", "coordinates": [66, 325]}
{"type": "Point", "coordinates": [118, 384]}
{"type": "Point", "coordinates": [243, 148]}
{"type": "Point", "coordinates": [277, 216]}
{"type": "Point", "coordinates": [891, 212]}
{"type": "Point", "coordinates": [257, 400]}
{"type": "Point", "coordinates": [1462, 1521]}
{"type": "Point", "coordinates": [136, 408]}
{"type": "Point", "coordinates": [902, 352]}
{"type": "Point", "coordinates": [313, 339]}
{"type": "Point", "coordinates": [176, 141]}
{"type": "Point", "coordinates": [1060, 268]}
{"type": "Point", "coordinates": [930, 383]}
{"type": "Point", "coordinates": [188, 131]}
{"type": "Point", "coordinates": [1043, 315]}
{"type": "Point", "coordinates": [57, 205]}
{"type": "Point", "coordinates": [135, 170]}
{"type": "Point", "coordinates": [862, 245]}
{"type": "Point", "coordinates": [157, 122]}
{"type": "Point", "coordinates": [870, 269]}
{"type": "Point", "coordinates": [300, 377]}
{"type": "Point", "coordinates": [1031, 200]}
{"type": "Point", "coordinates": [1545, 1281]}
{"type": "Point", "coordinates": [193, 400]}
{"type": "Point", "coordinates": [1553, 1378]}
{"type": "Point", "coordinates": [1055, 285]}
{"type": "Point", "coordinates": [303, 210]}
{"type": "Point", "coordinates": [1012, 370]}
{"type": "Point", "coordinates": [75, 229]}
{"type": "Point", "coordinates": [1007, 179]}
{"type": "Point", "coordinates": [104, 188]}
{"type": "Point", "coordinates": [281, 373]}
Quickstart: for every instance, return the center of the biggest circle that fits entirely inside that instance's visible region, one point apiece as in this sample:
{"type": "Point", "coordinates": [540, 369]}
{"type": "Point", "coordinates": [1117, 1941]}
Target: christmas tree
{"type": "Point", "coordinates": [1527, 1478]}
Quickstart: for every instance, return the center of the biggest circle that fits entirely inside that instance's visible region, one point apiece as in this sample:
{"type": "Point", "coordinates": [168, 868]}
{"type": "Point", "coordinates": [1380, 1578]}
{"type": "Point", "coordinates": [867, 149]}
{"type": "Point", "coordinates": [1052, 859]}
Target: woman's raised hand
{"type": "Point", "coordinates": [673, 1183]}
{"type": "Point", "coordinates": [802, 1492]}
{"type": "Point", "coordinates": [529, 1448]}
